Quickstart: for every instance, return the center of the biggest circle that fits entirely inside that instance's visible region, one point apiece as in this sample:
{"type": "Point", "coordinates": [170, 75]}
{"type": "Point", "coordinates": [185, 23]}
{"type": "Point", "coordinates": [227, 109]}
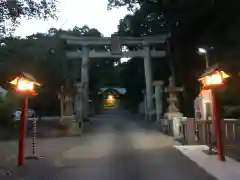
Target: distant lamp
{"type": "Point", "coordinates": [202, 51]}
{"type": "Point", "coordinates": [110, 98]}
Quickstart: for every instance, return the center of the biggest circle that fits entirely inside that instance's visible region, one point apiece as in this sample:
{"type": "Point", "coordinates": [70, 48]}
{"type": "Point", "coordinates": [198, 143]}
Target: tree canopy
{"type": "Point", "coordinates": [192, 24]}
{"type": "Point", "coordinates": [43, 56]}
{"type": "Point", "coordinates": [11, 11]}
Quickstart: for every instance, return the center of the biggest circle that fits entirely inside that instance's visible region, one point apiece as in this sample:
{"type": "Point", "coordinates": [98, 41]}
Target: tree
{"type": "Point", "coordinates": [192, 23]}
{"type": "Point", "coordinates": [43, 56]}
{"type": "Point", "coordinates": [118, 3]}
{"type": "Point", "coordinates": [13, 10]}
{"type": "Point", "coordinates": [8, 105]}
{"type": "Point", "coordinates": [39, 55]}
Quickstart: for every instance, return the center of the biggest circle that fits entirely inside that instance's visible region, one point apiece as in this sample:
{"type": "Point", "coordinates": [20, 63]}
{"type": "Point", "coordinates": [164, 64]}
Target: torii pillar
{"type": "Point", "coordinates": [85, 80]}
{"type": "Point", "coordinates": [148, 81]}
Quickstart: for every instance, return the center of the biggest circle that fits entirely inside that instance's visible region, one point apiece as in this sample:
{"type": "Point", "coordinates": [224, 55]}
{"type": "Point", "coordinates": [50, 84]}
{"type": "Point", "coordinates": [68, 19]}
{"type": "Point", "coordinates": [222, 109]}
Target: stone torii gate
{"type": "Point", "coordinates": [116, 42]}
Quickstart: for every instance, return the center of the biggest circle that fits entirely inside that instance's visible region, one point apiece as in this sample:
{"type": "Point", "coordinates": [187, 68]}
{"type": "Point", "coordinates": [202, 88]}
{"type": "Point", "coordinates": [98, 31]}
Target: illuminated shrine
{"type": "Point", "coordinates": [112, 96]}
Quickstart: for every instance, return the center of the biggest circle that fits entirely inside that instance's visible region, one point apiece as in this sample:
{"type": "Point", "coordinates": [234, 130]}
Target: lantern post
{"type": "Point", "coordinates": [212, 79]}
{"type": "Point", "coordinates": [25, 86]}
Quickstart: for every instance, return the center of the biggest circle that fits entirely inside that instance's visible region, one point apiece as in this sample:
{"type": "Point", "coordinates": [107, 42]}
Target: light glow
{"type": "Point", "coordinates": [202, 51]}
{"type": "Point", "coordinates": [224, 75]}
{"type": "Point", "coordinates": [24, 85]}
{"type": "Point", "coordinates": [214, 79]}
{"type": "Point", "coordinates": [15, 81]}
{"type": "Point", "coordinates": [110, 98]}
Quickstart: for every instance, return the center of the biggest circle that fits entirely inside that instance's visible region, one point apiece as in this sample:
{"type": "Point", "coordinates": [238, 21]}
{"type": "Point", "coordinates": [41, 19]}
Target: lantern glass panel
{"type": "Point", "coordinates": [24, 85]}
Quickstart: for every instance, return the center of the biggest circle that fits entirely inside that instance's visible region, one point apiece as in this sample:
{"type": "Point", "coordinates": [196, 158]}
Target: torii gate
{"type": "Point", "coordinates": [116, 52]}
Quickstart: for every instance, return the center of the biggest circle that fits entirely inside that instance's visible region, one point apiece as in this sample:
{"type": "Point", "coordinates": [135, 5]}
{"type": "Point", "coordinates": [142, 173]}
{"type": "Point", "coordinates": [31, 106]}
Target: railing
{"type": "Point", "coordinates": [205, 132]}
{"type": "Point", "coordinates": [183, 130]}
{"type": "Point", "coordinates": [165, 126]}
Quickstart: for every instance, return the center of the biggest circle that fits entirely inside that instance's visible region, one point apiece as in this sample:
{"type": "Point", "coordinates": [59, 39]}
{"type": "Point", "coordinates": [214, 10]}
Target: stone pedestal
{"type": "Point", "coordinates": [175, 118]}
{"type": "Point", "coordinates": [158, 99]}
{"type": "Point", "coordinates": [173, 112]}
{"type": "Point", "coordinates": [68, 119]}
{"type": "Point", "coordinates": [170, 115]}
{"type": "Point", "coordinates": [71, 126]}
{"type": "Point", "coordinates": [176, 123]}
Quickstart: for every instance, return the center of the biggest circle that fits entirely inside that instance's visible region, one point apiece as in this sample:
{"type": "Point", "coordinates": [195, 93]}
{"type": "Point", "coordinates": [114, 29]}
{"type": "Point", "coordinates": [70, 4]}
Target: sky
{"type": "Point", "coordinates": [77, 13]}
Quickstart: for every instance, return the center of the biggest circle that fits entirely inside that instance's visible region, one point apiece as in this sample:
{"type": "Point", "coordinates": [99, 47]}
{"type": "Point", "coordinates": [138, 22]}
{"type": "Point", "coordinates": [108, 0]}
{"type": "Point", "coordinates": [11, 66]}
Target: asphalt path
{"type": "Point", "coordinates": [118, 147]}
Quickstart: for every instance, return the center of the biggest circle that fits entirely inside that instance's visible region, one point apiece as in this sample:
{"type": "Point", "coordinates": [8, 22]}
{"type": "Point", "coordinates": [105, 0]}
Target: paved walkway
{"type": "Point", "coordinates": [119, 148]}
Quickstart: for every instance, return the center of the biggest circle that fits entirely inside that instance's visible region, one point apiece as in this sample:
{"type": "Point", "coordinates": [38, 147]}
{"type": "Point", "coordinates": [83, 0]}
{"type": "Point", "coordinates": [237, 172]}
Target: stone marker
{"type": "Point", "coordinates": [158, 98]}
{"type": "Point", "coordinates": [67, 114]}
{"type": "Point", "coordinates": [173, 112]}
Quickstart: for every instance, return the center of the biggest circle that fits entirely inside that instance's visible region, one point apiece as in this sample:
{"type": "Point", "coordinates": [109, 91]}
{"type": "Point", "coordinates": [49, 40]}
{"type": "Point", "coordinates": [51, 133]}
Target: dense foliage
{"type": "Point", "coordinates": [43, 56]}
{"type": "Point", "coordinates": [192, 24]}
{"type": "Point", "coordinates": [8, 105]}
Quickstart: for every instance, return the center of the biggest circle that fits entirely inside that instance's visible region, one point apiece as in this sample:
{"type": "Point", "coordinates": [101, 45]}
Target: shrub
{"type": "Point", "coordinates": [8, 105]}
{"type": "Point", "coordinates": [231, 111]}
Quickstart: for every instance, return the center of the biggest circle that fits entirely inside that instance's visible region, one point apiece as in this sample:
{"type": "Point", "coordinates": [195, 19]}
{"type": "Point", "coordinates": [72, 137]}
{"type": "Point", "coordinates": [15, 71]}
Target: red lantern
{"type": "Point", "coordinates": [211, 79]}
{"type": "Point", "coordinates": [24, 85]}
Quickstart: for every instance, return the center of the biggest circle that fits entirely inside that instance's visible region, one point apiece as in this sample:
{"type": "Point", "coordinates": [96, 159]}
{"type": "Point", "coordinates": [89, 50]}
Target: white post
{"type": "Point", "coordinates": [85, 79]}
{"type": "Point", "coordinates": [148, 80]}
{"type": "Point", "coordinates": [158, 98]}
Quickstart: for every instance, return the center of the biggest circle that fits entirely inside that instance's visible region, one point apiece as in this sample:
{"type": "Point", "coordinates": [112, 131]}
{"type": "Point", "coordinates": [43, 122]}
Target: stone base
{"type": "Point", "coordinates": [176, 122]}
{"type": "Point", "coordinates": [170, 115]}
{"type": "Point", "coordinates": [165, 125]}
{"type": "Point", "coordinates": [71, 126]}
